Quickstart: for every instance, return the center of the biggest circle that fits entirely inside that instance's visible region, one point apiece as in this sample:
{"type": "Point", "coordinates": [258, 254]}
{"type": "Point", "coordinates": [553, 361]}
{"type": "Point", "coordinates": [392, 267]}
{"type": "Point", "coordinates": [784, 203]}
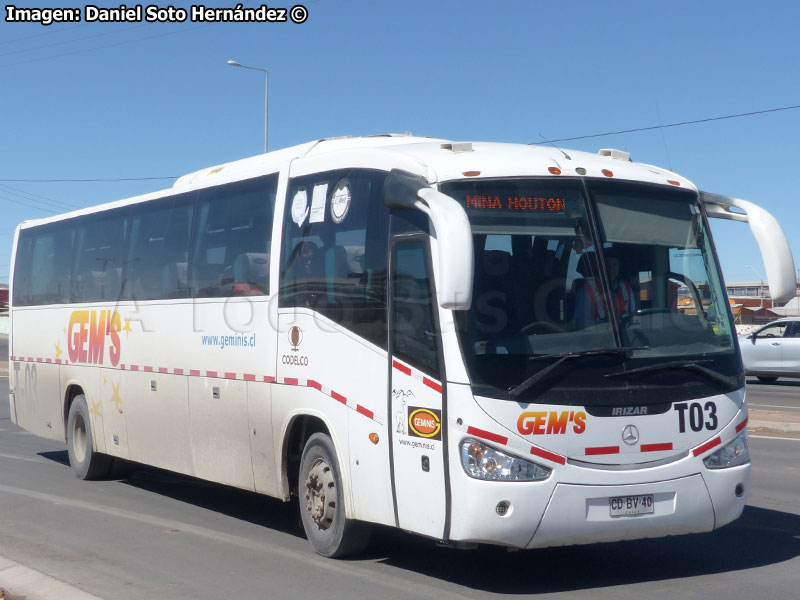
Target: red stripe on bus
{"type": "Point", "coordinates": [194, 373]}
{"type": "Point", "coordinates": [400, 367]}
{"type": "Point", "coordinates": [48, 360]}
{"type": "Point", "coordinates": [602, 450]}
{"type": "Point", "coordinates": [487, 435]}
{"type": "Point", "coordinates": [30, 359]}
{"type": "Point", "coordinates": [315, 384]}
{"type": "Point", "coordinates": [211, 373]}
{"type": "Point", "coordinates": [230, 375]}
{"type": "Point", "coordinates": [338, 397]}
{"type": "Point", "coordinates": [249, 377]}
{"type": "Point", "coordinates": [742, 425]}
{"type": "Point", "coordinates": [556, 458]}
{"type": "Point", "coordinates": [269, 379]}
{"type": "Point", "coordinates": [365, 411]}
{"type": "Point", "coordinates": [432, 384]}
{"type": "Point", "coordinates": [656, 447]}
{"type": "Point", "coordinates": [38, 360]}
{"type": "Point", "coordinates": [707, 446]}
{"type": "Point", "coordinates": [290, 380]}
{"type": "Point", "coordinates": [133, 367]}
{"type": "Point", "coordinates": [177, 371]}
{"type": "Point", "coordinates": [148, 369]}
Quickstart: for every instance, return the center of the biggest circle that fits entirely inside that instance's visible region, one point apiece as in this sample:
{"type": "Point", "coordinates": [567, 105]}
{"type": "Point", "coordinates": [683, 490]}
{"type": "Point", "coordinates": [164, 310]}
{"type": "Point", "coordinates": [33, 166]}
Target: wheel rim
{"type": "Point", "coordinates": [321, 494]}
{"type": "Point", "coordinates": [79, 438]}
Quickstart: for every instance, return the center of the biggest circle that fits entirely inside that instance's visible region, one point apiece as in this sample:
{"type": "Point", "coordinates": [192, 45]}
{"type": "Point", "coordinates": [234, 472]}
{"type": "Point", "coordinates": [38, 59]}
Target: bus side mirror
{"type": "Point", "coordinates": [769, 234]}
{"type": "Point", "coordinates": [453, 251]}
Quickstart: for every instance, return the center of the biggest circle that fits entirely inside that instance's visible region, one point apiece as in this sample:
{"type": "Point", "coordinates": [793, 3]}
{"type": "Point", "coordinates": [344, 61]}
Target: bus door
{"type": "Point", "coordinates": [416, 403]}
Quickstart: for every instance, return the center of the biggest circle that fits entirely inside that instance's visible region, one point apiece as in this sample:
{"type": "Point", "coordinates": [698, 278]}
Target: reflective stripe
{"type": "Point", "coordinates": [622, 297]}
{"type": "Point", "coordinates": [598, 310]}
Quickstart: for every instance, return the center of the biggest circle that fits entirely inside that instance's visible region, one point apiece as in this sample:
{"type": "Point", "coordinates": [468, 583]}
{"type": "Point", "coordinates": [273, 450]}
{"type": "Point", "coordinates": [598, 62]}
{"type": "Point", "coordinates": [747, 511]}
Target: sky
{"type": "Point", "coordinates": [137, 100]}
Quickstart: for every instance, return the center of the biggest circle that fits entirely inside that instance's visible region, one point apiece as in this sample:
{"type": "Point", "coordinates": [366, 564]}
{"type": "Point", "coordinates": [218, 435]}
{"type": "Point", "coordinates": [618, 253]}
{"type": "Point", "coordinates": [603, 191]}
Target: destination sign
{"type": "Point", "coordinates": [541, 204]}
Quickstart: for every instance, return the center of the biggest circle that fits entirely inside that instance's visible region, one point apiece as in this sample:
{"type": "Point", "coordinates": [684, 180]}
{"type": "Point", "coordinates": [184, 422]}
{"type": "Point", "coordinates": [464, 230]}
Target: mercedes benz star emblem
{"type": "Point", "coordinates": [630, 435]}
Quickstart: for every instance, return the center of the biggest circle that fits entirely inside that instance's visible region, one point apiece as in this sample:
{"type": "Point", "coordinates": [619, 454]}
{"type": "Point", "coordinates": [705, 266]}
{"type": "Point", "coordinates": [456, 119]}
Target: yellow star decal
{"type": "Point", "coordinates": [59, 351]}
{"type": "Point", "coordinates": [95, 410]}
{"type": "Point", "coordinates": [115, 396]}
{"type": "Point", "coordinates": [127, 329]}
{"type": "Point", "coordinates": [65, 330]}
{"type": "Point", "coordinates": [105, 381]}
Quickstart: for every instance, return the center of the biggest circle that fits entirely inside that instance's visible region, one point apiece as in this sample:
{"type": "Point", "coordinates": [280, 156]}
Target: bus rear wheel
{"type": "Point", "coordinates": [85, 462]}
{"type": "Point", "coordinates": [321, 496]}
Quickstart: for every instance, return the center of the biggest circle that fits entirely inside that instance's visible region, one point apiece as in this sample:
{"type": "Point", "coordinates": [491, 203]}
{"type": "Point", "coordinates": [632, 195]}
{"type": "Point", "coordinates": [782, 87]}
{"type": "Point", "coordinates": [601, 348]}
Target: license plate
{"type": "Point", "coordinates": [623, 506]}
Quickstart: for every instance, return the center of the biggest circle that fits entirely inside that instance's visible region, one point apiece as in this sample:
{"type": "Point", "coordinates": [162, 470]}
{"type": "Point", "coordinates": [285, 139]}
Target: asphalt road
{"type": "Point", "coordinates": [158, 535]}
{"type": "Point", "coordinates": [783, 395]}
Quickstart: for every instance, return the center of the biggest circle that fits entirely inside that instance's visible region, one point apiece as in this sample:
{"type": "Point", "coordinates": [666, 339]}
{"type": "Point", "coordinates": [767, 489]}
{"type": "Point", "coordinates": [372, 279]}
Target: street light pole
{"type": "Point", "coordinates": [233, 63]}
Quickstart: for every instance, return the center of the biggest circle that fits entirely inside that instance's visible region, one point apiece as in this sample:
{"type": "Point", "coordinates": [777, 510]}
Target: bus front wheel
{"type": "Point", "coordinates": [85, 462]}
{"type": "Point", "coordinates": [321, 496]}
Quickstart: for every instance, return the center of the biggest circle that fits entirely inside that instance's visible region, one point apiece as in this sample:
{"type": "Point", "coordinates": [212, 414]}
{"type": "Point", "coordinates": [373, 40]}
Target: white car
{"type": "Point", "coordinates": [773, 350]}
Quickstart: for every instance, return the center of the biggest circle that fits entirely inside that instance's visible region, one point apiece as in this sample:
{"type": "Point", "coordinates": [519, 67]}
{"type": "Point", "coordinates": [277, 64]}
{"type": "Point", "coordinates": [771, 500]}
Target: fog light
{"type": "Point", "coordinates": [502, 508]}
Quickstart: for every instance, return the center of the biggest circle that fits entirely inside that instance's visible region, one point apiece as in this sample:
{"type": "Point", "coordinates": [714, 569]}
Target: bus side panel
{"type": "Point", "coordinates": [369, 467]}
{"type": "Point", "coordinates": [341, 376]}
{"type": "Point", "coordinates": [259, 407]}
{"type": "Point", "coordinates": [38, 400]}
{"type": "Point", "coordinates": [157, 419]}
{"type": "Point", "coordinates": [112, 410]}
{"type": "Point", "coordinates": [38, 397]}
{"type": "Point", "coordinates": [219, 431]}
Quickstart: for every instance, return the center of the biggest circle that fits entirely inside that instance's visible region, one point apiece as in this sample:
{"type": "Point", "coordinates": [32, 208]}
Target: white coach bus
{"type": "Point", "coordinates": [475, 342]}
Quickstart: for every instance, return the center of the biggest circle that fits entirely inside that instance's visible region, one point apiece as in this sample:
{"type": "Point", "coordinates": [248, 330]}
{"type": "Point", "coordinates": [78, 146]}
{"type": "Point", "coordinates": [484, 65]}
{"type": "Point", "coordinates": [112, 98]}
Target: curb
{"type": "Point", "coordinates": [20, 581]}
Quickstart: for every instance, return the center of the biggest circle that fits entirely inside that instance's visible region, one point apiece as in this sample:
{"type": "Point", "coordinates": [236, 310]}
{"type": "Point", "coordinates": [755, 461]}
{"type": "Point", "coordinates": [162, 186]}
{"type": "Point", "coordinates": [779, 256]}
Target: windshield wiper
{"type": "Point", "coordinates": [518, 390]}
{"type": "Point", "coordinates": [690, 365]}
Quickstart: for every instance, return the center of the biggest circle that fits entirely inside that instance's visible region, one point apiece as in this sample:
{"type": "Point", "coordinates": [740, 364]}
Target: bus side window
{"type": "Point", "coordinates": [158, 249]}
{"type": "Point", "coordinates": [232, 235]}
{"type": "Point", "coordinates": [99, 248]}
{"type": "Point", "coordinates": [335, 262]}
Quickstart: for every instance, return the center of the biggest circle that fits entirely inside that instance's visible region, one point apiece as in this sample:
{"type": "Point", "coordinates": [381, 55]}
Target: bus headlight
{"type": "Point", "coordinates": [732, 454]}
{"type": "Point", "coordinates": [484, 462]}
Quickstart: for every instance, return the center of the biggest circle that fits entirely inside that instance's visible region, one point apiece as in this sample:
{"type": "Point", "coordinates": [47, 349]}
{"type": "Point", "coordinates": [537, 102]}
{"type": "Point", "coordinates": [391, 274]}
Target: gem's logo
{"type": "Point", "coordinates": [552, 423]}
{"type": "Point", "coordinates": [87, 333]}
{"type": "Point", "coordinates": [425, 423]}
{"type": "Point", "coordinates": [295, 337]}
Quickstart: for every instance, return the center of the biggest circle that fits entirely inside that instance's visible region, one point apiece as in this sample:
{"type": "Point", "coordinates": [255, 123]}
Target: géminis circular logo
{"type": "Point", "coordinates": [425, 423]}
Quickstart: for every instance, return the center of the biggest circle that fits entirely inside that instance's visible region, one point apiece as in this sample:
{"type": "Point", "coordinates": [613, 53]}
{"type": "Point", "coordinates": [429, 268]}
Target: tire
{"type": "Point", "coordinates": [321, 496]}
{"type": "Point", "coordinates": [767, 379]}
{"type": "Point", "coordinates": [85, 462]}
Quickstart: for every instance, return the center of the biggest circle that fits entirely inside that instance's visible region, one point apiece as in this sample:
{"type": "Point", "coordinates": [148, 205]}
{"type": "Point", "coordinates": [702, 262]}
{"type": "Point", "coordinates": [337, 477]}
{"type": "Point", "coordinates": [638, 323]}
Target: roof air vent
{"type": "Point", "coordinates": [458, 147]}
{"type": "Point", "coordinates": [615, 154]}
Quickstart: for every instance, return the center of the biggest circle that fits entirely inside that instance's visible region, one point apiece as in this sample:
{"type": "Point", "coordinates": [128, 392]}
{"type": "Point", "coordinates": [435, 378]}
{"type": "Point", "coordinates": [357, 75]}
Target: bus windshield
{"type": "Point", "coordinates": [573, 267]}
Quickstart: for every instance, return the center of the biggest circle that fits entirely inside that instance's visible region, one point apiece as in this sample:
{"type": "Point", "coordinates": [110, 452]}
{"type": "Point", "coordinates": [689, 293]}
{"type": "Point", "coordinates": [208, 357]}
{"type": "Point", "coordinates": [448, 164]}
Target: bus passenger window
{"type": "Point", "coordinates": [158, 250]}
{"type": "Point", "coordinates": [233, 230]}
{"type": "Point", "coordinates": [99, 247]}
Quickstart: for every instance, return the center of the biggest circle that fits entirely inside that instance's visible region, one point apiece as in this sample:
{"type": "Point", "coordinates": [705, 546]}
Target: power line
{"type": "Point", "coordinates": [49, 31]}
{"type": "Point", "coordinates": [25, 204]}
{"type": "Point", "coordinates": [35, 197]}
{"type": "Point", "coordinates": [70, 41]}
{"type": "Point", "coordinates": [147, 37]}
{"type": "Point", "coordinates": [88, 180]}
{"type": "Point", "coordinates": [653, 127]}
